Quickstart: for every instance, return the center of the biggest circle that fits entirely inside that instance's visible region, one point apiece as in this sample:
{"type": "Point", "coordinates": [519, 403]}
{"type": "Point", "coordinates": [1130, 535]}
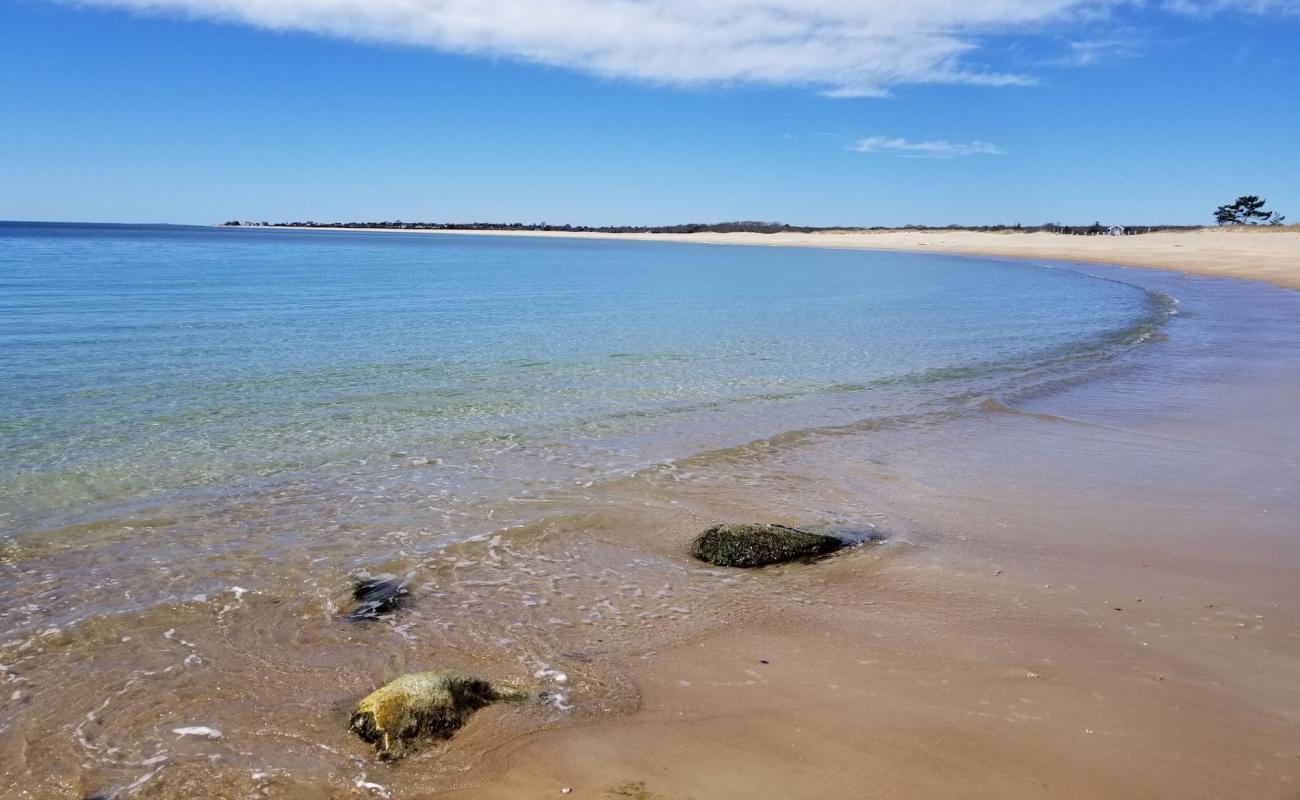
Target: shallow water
{"type": "Point", "coordinates": [209, 433]}
{"type": "Point", "coordinates": [143, 361]}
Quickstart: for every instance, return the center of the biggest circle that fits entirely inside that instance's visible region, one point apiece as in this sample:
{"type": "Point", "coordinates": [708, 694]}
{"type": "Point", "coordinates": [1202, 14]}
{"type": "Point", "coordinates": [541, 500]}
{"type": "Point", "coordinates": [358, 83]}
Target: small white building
{"type": "Point", "coordinates": [1115, 230]}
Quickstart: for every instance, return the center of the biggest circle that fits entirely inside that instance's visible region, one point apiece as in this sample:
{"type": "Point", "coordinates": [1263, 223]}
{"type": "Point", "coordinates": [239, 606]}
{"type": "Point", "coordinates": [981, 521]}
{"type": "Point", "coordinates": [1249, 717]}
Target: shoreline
{"type": "Point", "coordinates": [1085, 591]}
{"type": "Point", "coordinates": [1083, 631]}
{"type": "Point", "coordinates": [1270, 256]}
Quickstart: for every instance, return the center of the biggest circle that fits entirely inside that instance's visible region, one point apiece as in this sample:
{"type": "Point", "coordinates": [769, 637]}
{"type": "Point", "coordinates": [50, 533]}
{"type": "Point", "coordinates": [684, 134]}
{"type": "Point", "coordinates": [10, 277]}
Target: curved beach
{"type": "Point", "coordinates": [1270, 254]}
{"type": "Point", "coordinates": [1085, 575]}
{"type": "Point", "coordinates": [649, 400]}
{"type": "Point", "coordinates": [1097, 598]}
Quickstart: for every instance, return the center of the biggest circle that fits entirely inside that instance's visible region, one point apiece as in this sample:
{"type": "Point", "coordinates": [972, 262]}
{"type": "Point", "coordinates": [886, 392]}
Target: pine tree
{"type": "Point", "coordinates": [1247, 210]}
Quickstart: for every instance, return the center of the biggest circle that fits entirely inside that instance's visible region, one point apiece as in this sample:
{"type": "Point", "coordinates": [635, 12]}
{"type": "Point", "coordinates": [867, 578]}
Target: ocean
{"type": "Point", "coordinates": [146, 364]}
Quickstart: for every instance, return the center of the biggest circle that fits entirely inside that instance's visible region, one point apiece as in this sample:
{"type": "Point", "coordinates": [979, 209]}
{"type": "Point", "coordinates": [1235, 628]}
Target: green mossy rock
{"type": "Point", "coordinates": [758, 545]}
{"type": "Point", "coordinates": [422, 706]}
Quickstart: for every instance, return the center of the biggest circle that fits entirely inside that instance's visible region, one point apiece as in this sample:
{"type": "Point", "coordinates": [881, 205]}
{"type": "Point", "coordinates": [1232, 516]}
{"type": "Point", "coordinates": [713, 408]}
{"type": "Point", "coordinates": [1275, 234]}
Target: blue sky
{"type": "Point", "coordinates": [823, 112]}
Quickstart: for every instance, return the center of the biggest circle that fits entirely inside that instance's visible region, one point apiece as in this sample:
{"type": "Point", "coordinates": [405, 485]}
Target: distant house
{"type": "Point", "coordinates": [1115, 230]}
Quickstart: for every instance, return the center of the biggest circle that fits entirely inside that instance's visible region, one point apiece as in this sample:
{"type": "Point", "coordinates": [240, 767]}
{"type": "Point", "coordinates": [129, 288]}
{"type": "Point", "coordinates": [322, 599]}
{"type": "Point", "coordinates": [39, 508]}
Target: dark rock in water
{"type": "Point", "coordinates": [375, 597]}
{"type": "Point", "coordinates": [420, 707]}
{"type": "Point", "coordinates": [757, 545]}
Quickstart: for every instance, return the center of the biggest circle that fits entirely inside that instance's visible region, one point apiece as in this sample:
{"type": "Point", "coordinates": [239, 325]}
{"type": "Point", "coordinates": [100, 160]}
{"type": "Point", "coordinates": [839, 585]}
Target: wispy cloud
{"type": "Point", "coordinates": [849, 48]}
{"type": "Point", "coordinates": [1202, 7]}
{"type": "Point", "coordinates": [933, 149]}
{"type": "Point", "coordinates": [1095, 51]}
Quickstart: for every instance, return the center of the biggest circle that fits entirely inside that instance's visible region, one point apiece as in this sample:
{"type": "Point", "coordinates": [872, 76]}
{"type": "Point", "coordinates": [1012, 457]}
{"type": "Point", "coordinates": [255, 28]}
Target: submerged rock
{"type": "Point", "coordinates": [422, 706]}
{"type": "Point", "coordinates": [375, 597]}
{"type": "Point", "coordinates": [757, 545]}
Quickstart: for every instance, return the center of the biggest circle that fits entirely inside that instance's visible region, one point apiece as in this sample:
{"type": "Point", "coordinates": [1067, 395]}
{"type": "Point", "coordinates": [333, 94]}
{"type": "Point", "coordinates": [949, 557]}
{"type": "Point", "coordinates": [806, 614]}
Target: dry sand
{"type": "Point", "coordinates": [1262, 254]}
{"type": "Point", "coordinates": [1272, 256]}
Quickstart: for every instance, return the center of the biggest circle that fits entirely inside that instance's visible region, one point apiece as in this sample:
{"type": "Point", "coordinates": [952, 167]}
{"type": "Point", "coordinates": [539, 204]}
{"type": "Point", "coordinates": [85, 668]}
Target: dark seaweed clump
{"type": "Point", "coordinates": [759, 545]}
{"type": "Point", "coordinates": [376, 597]}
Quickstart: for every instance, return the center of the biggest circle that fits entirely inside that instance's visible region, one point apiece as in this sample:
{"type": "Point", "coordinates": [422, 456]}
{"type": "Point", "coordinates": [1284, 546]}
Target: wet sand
{"type": "Point", "coordinates": [1090, 595]}
{"type": "Point", "coordinates": [1086, 591]}
{"type": "Point", "coordinates": [1088, 610]}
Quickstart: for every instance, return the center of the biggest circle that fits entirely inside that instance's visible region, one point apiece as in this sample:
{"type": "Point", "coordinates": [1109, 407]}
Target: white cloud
{"type": "Point", "coordinates": [1201, 7]}
{"type": "Point", "coordinates": [1096, 51]}
{"type": "Point", "coordinates": [933, 149]}
{"type": "Point", "coordinates": [841, 47]}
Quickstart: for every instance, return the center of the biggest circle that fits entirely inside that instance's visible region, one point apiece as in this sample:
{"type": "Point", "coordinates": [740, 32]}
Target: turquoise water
{"type": "Point", "coordinates": [145, 363]}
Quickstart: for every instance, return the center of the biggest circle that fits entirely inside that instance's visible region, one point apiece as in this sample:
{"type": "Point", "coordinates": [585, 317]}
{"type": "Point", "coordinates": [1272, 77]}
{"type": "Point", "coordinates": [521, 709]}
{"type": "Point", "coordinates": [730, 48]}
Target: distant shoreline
{"type": "Point", "coordinates": [1260, 254]}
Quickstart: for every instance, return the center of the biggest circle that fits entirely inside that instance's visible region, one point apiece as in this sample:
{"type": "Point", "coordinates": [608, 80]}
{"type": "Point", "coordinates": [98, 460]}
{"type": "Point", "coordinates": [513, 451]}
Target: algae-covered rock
{"type": "Point", "coordinates": [422, 706]}
{"type": "Point", "coordinates": [757, 545]}
{"type": "Point", "coordinates": [377, 596]}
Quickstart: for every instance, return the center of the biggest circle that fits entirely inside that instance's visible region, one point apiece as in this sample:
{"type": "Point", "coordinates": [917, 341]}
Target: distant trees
{"type": "Point", "coordinates": [743, 226]}
{"type": "Point", "coordinates": [737, 226]}
{"type": "Point", "coordinates": [1247, 210]}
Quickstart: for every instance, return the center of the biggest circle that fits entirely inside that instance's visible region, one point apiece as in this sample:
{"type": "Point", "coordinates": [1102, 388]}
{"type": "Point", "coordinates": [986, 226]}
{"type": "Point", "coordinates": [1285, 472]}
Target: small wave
{"type": "Point", "coordinates": [1147, 329]}
{"type": "Point", "coordinates": [993, 405]}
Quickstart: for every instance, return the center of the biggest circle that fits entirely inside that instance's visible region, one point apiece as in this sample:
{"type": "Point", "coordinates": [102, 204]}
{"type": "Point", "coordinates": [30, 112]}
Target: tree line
{"type": "Point", "coordinates": [1246, 210]}
{"type": "Point", "coordinates": [695, 227]}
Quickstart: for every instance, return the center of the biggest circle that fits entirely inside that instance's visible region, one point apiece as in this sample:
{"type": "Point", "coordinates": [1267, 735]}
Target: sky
{"type": "Point", "coordinates": [648, 112]}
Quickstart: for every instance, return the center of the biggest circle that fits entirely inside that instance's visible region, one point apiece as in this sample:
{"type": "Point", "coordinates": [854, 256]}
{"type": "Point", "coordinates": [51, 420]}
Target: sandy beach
{"type": "Point", "coordinates": [1085, 589]}
{"type": "Point", "coordinates": [361, 439]}
{"type": "Point", "coordinates": [1263, 254]}
{"type": "Point", "coordinates": [1094, 598]}
{"type": "Point", "coordinates": [1087, 595]}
